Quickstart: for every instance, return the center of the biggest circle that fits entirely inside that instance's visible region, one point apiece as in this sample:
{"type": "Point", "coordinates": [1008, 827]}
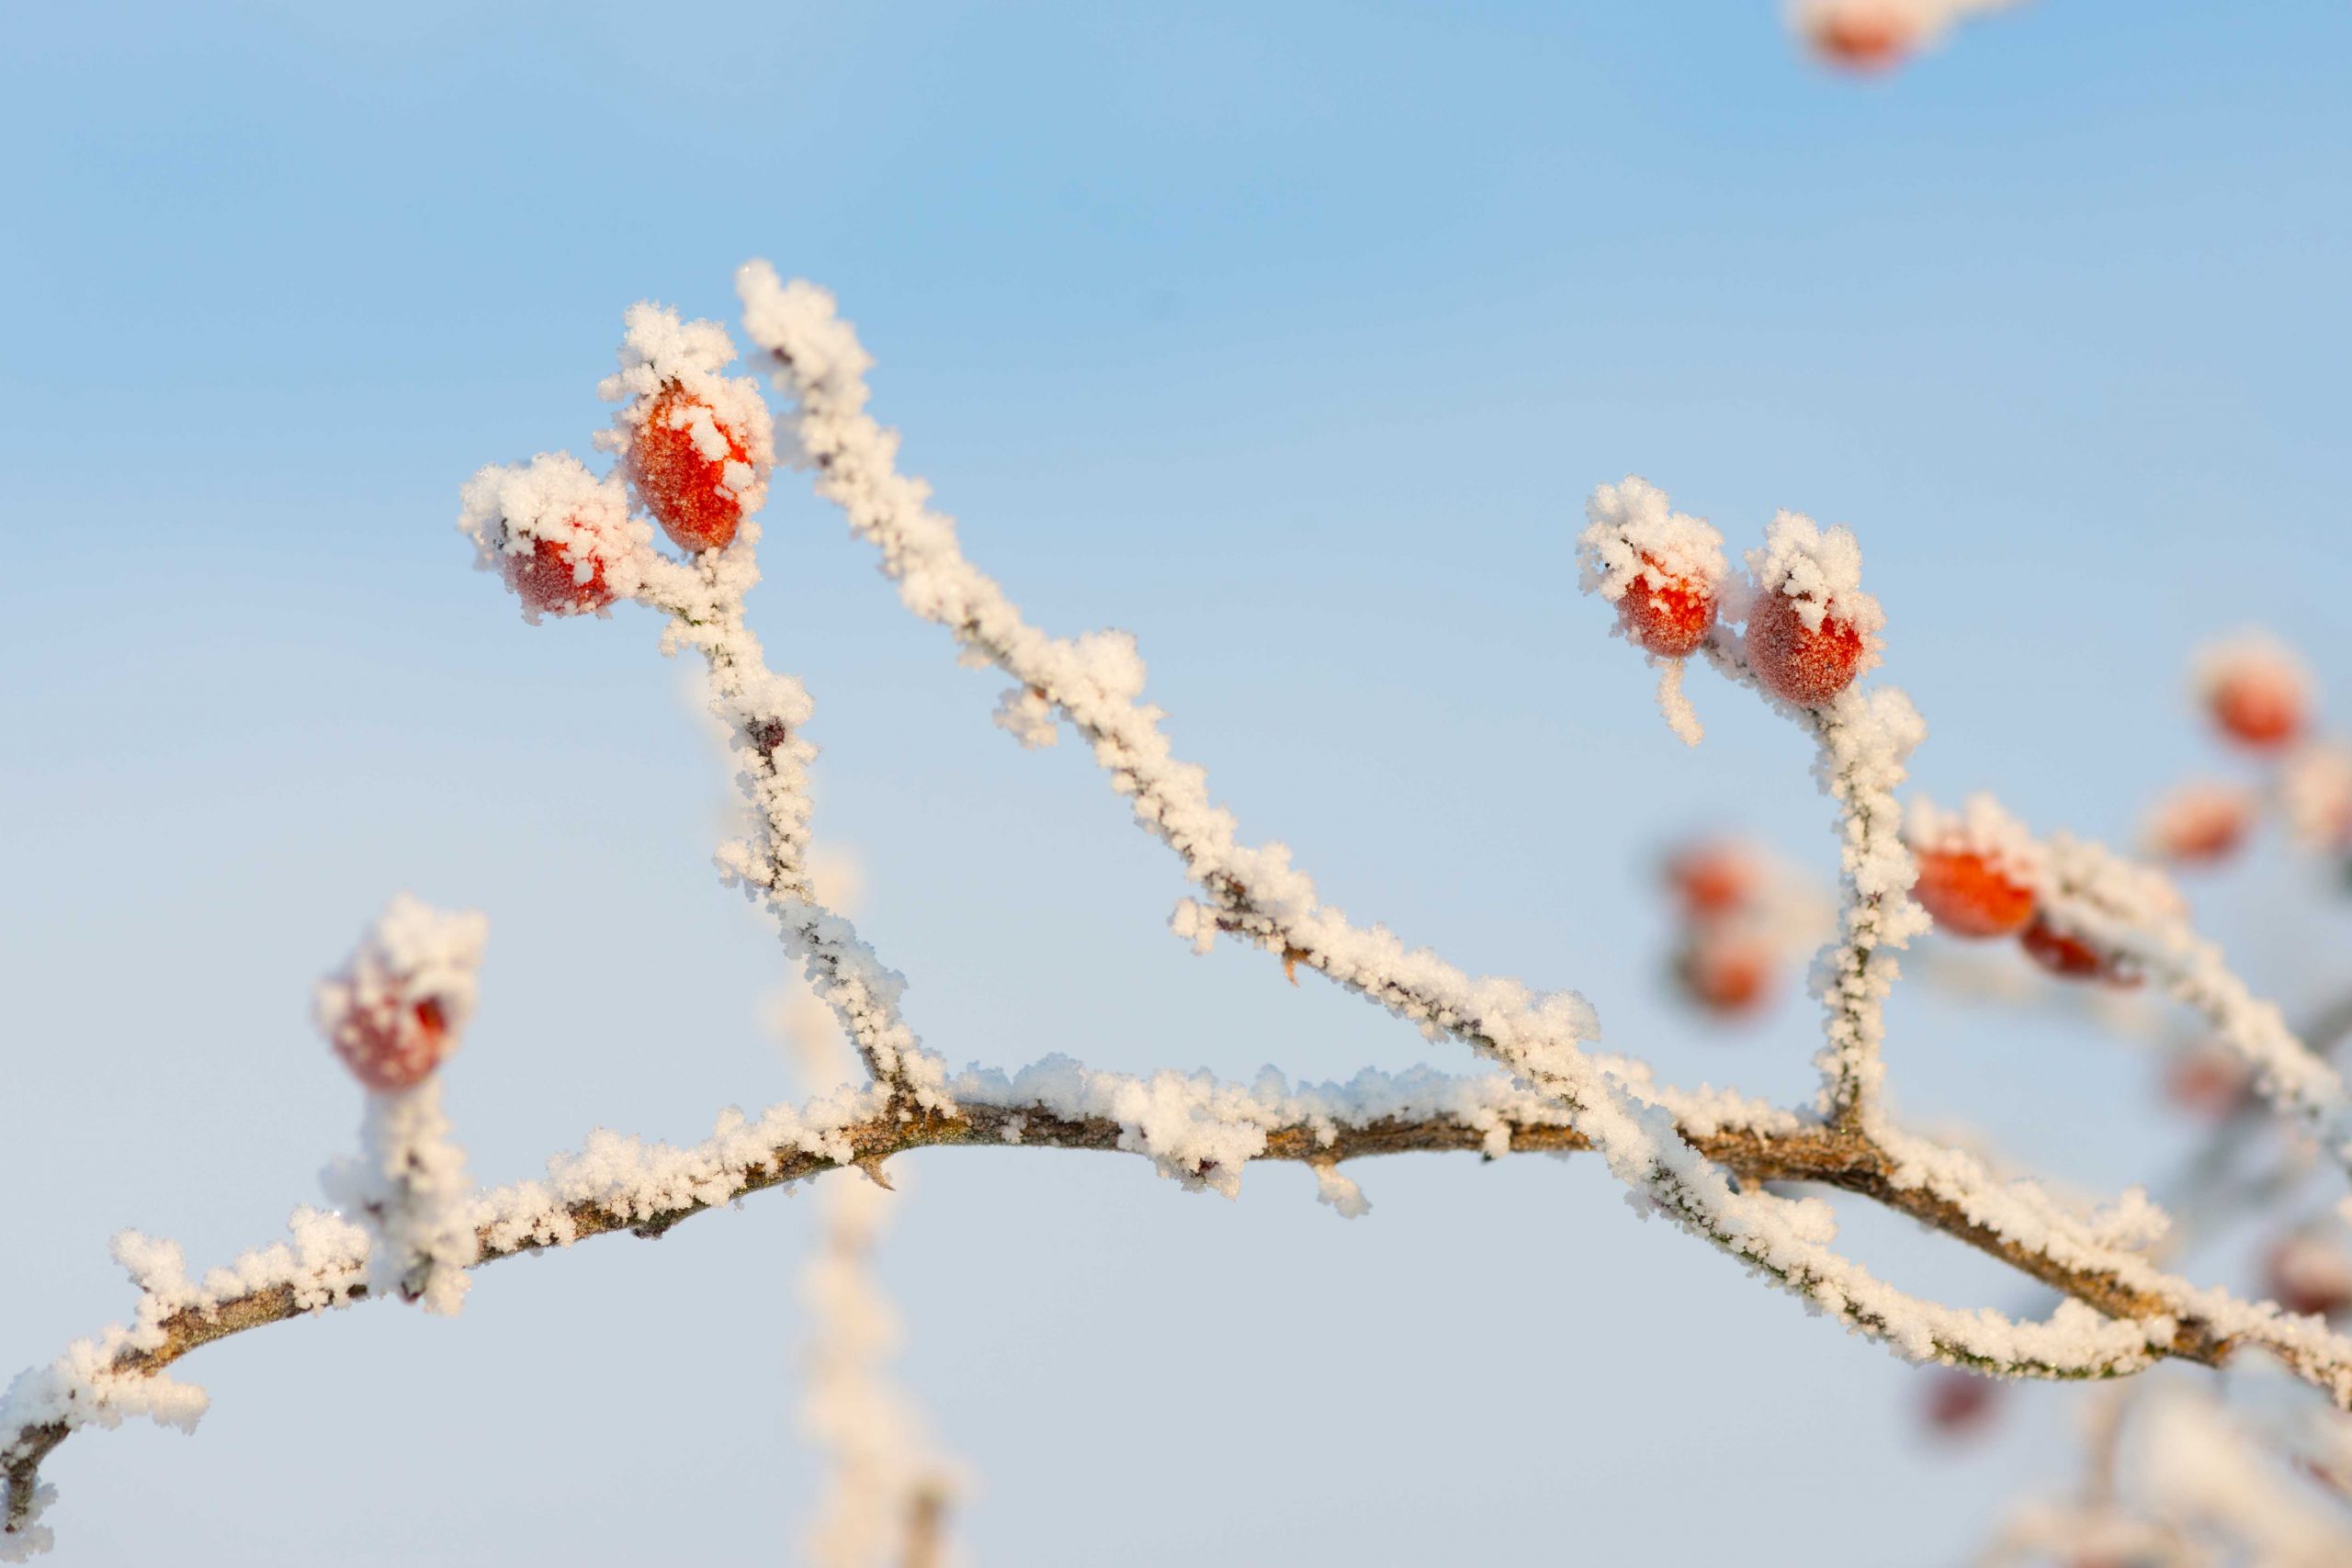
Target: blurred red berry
{"type": "Point", "coordinates": [548, 580]}
{"type": "Point", "coordinates": [2207, 1081]}
{"type": "Point", "coordinates": [1669, 619]}
{"type": "Point", "coordinates": [1727, 973]}
{"type": "Point", "coordinates": [2258, 707]}
{"type": "Point", "coordinates": [1864, 35]}
{"type": "Point", "coordinates": [2066, 955]}
{"type": "Point", "coordinates": [392, 1044]}
{"type": "Point", "coordinates": [1712, 877]}
{"type": "Point", "coordinates": [1959, 1403]}
{"type": "Point", "coordinates": [2200, 822]}
{"type": "Point", "coordinates": [684, 486]}
{"type": "Point", "coordinates": [2305, 1275]}
{"type": "Point", "coordinates": [1801, 664]}
{"type": "Point", "coordinates": [1968, 896]}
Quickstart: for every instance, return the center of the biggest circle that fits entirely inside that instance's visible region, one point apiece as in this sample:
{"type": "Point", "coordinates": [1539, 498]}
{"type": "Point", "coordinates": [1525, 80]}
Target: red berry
{"type": "Point", "coordinates": [1862, 35]}
{"type": "Point", "coordinates": [2307, 1277]}
{"type": "Point", "coordinates": [549, 582]}
{"type": "Point", "coordinates": [2200, 822]}
{"type": "Point", "coordinates": [1725, 972]}
{"type": "Point", "coordinates": [2257, 708]}
{"type": "Point", "coordinates": [1668, 617]}
{"type": "Point", "coordinates": [1958, 1403]}
{"type": "Point", "coordinates": [1801, 664]}
{"type": "Point", "coordinates": [2207, 1082]}
{"type": "Point", "coordinates": [685, 488]}
{"type": "Point", "coordinates": [1968, 896]}
{"type": "Point", "coordinates": [1712, 878]}
{"type": "Point", "coordinates": [394, 1044]}
{"type": "Point", "coordinates": [2068, 957]}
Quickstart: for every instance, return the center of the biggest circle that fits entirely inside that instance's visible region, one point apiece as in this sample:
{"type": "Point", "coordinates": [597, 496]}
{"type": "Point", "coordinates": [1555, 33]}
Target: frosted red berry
{"type": "Point", "coordinates": [1961, 1403]}
{"type": "Point", "coordinates": [548, 580]}
{"type": "Point", "coordinates": [1725, 972]}
{"type": "Point", "coordinates": [2201, 823]}
{"type": "Point", "coordinates": [393, 1044]}
{"type": "Point", "coordinates": [1969, 896]}
{"type": "Point", "coordinates": [1712, 878]}
{"type": "Point", "coordinates": [2258, 708]}
{"type": "Point", "coordinates": [682, 486]}
{"type": "Point", "coordinates": [1801, 664]}
{"type": "Point", "coordinates": [1667, 614]}
{"type": "Point", "coordinates": [2305, 1276]}
{"type": "Point", "coordinates": [2068, 957]}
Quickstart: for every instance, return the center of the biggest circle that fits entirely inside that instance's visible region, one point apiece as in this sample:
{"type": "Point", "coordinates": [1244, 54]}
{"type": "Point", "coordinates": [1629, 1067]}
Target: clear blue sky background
{"type": "Point", "coordinates": [1291, 339]}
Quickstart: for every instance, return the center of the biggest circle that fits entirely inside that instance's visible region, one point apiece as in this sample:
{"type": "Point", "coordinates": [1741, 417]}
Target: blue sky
{"type": "Point", "coordinates": [1288, 338]}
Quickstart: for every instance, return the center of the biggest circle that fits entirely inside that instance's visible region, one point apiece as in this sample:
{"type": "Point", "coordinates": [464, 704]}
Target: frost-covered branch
{"type": "Point", "coordinates": [1201, 1131]}
{"type": "Point", "coordinates": [1811, 632]}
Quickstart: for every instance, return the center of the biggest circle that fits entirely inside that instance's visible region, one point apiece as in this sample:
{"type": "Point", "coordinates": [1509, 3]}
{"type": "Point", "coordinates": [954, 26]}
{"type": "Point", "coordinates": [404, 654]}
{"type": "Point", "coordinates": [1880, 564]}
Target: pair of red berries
{"type": "Point", "coordinates": [1970, 896]}
{"type": "Point", "coordinates": [685, 488]}
{"type": "Point", "coordinates": [1725, 962]}
{"type": "Point", "coordinates": [1670, 615]}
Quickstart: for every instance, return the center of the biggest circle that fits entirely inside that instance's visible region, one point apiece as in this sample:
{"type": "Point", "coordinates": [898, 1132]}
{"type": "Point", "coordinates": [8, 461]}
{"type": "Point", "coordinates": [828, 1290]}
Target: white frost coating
{"type": "Point", "coordinates": [2090, 1534]}
{"type": "Point", "coordinates": [2133, 916]}
{"type": "Point", "coordinates": [1821, 571]}
{"type": "Point", "coordinates": [657, 351]}
{"type": "Point", "coordinates": [888, 1481]}
{"type": "Point", "coordinates": [413, 955]}
{"type": "Point", "coordinates": [1681, 717]}
{"type": "Point", "coordinates": [1979, 827]}
{"type": "Point", "coordinates": [1028, 717]}
{"type": "Point", "coordinates": [2316, 789]}
{"type": "Point", "coordinates": [510, 512]}
{"type": "Point", "coordinates": [763, 711]}
{"type": "Point", "coordinates": [641, 1181]}
{"type": "Point", "coordinates": [1633, 536]}
{"type": "Point", "coordinates": [1338, 1190]}
{"type": "Point", "coordinates": [1865, 741]}
{"type": "Point", "coordinates": [408, 1188]}
{"type": "Point", "coordinates": [1634, 542]}
{"type": "Point", "coordinates": [1256, 893]}
{"type": "Point", "coordinates": [2198, 1465]}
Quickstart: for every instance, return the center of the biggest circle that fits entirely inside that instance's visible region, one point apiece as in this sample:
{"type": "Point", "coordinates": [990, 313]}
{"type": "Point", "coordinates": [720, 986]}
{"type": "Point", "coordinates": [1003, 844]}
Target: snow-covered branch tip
{"type": "Point", "coordinates": [393, 1014]}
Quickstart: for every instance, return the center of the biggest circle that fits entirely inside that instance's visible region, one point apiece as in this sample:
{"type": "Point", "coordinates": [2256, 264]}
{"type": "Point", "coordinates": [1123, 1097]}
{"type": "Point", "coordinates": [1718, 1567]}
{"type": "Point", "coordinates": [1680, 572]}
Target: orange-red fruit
{"type": "Point", "coordinates": [1669, 619]}
{"type": "Point", "coordinates": [1725, 973]}
{"type": "Point", "coordinates": [1968, 896]}
{"type": "Point", "coordinates": [2068, 957]}
{"type": "Point", "coordinates": [678, 484]}
{"type": "Point", "coordinates": [2257, 709]}
{"type": "Point", "coordinates": [2205, 827]}
{"type": "Point", "coordinates": [1710, 879]}
{"type": "Point", "coordinates": [395, 1047]}
{"type": "Point", "coordinates": [2321, 1288]}
{"type": "Point", "coordinates": [546, 582]}
{"type": "Point", "coordinates": [1801, 664]}
{"type": "Point", "coordinates": [1863, 36]}
{"type": "Point", "coordinates": [1958, 1403]}
{"type": "Point", "coordinates": [2205, 1082]}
